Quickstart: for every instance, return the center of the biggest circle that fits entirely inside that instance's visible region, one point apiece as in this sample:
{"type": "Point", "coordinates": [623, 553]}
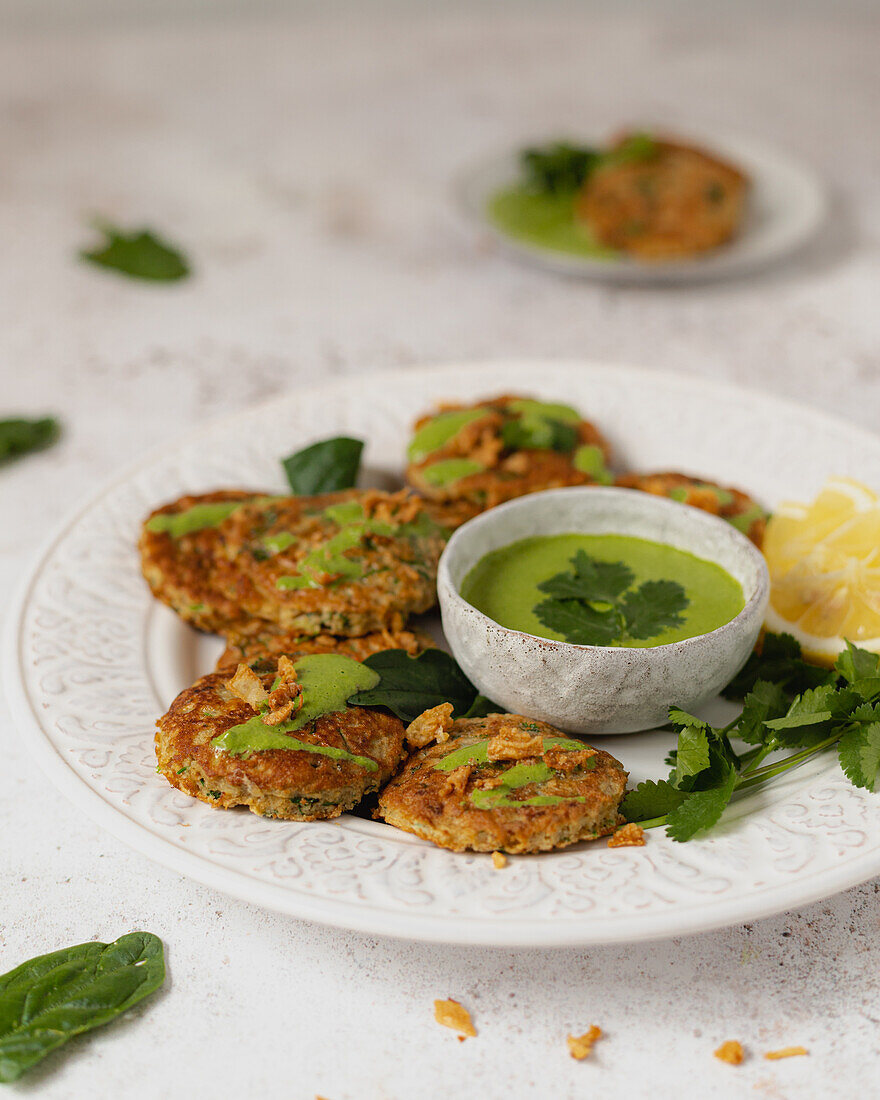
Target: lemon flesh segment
{"type": "Point", "coordinates": [824, 562]}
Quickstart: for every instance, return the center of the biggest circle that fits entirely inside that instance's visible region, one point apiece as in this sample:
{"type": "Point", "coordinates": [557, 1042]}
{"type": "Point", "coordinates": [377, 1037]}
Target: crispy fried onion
{"type": "Point", "coordinates": [432, 725]}
{"type": "Point", "coordinates": [273, 706]}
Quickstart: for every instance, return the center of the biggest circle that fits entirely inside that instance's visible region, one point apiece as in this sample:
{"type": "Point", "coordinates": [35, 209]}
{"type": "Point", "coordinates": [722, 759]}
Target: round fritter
{"type": "Point", "coordinates": [674, 202]}
{"type": "Point", "coordinates": [505, 783]}
{"type": "Point", "coordinates": [266, 642]}
{"type": "Point", "coordinates": [733, 505]}
{"type": "Point", "coordinates": [179, 547]}
{"type": "Point", "coordinates": [467, 458]}
{"type": "Point", "coordinates": [295, 784]}
{"type": "Point", "coordinates": [346, 563]}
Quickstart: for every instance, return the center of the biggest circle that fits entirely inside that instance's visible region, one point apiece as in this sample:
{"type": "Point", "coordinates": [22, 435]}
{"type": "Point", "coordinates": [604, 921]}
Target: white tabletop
{"type": "Point", "coordinates": [305, 166]}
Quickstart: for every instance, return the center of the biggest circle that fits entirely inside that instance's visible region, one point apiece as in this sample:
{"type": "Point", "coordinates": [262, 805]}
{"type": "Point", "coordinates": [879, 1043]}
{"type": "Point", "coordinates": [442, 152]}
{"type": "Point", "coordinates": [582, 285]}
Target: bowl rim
{"type": "Point", "coordinates": [755, 604]}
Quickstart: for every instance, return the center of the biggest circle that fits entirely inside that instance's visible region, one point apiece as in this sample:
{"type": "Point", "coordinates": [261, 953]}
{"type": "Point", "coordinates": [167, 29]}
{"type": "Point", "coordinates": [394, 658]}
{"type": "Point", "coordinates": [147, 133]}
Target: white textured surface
{"type": "Point", "coordinates": [305, 168]}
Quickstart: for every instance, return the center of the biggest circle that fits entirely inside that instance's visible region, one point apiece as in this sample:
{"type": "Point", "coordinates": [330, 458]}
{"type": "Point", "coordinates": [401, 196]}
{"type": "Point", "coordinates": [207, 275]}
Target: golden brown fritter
{"type": "Point", "coordinates": [467, 458]}
{"type": "Point", "coordinates": [179, 547]}
{"type": "Point", "coordinates": [505, 783]}
{"type": "Point", "coordinates": [346, 563]}
{"type": "Point", "coordinates": [267, 642]}
{"type": "Point", "coordinates": [299, 784]}
{"type": "Point", "coordinates": [675, 202]}
{"type": "Point", "coordinates": [733, 505]}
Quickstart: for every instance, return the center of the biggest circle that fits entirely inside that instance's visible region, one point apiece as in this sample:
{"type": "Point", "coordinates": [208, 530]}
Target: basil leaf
{"type": "Point", "coordinates": [140, 254]}
{"type": "Point", "coordinates": [49, 999]}
{"type": "Point", "coordinates": [324, 467]}
{"type": "Point", "coordinates": [19, 436]}
{"type": "Point", "coordinates": [408, 686]}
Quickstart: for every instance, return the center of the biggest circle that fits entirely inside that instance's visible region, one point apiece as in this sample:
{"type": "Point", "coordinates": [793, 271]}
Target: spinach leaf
{"type": "Point", "coordinates": [141, 254]}
{"type": "Point", "coordinates": [49, 999]}
{"type": "Point", "coordinates": [324, 467]}
{"type": "Point", "coordinates": [409, 686]}
{"type": "Point", "coordinates": [19, 436]}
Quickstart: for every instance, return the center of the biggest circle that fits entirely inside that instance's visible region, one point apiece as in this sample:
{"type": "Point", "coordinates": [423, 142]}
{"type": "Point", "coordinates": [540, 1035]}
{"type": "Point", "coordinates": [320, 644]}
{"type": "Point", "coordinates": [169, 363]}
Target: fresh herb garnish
{"type": "Point", "coordinates": [409, 686]}
{"type": "Point", "coordinates": [538, 433]}
{"type": "Point", "coordinates": [558, 167]}
{"type": "Point", "coordinates": [595, 604]}
{"type": "Point", "coordinates": [19, 436]}
{"type": "Point", "coordinates": [140, 254]}
{"type": "Point", "coordinates": [787, 705]}
{"type": "Point", "coordinates": [324, 467]}
{"type": "Point", "coordinates": [49, 999]}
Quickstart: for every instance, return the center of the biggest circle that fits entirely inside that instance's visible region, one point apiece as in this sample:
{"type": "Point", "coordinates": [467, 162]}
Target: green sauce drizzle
{"type": "Point", "coordinates": [439, 430]}
{"type": "Point", "coordinates": [520, 775]}
{"type": "Point", "coordinates": [450, 470]}
{"type": "Point", "coordinates": [276, 543]}
{"type": "Point", "coordinates": [178, 524]}
{"type": "Point", "coordinates": [590, 460]}
{"type": "Point", "coordinates": [328, 682]}
{"type": "Point", "coordinates": [545, 411]}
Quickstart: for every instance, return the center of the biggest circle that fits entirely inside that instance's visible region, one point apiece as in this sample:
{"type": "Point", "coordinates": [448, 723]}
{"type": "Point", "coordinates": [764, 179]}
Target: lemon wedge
{"type": "Point", "coordinates": [824, 562]}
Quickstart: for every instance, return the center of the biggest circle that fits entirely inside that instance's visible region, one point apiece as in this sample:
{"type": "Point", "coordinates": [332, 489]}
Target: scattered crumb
{"type": "Point", "coordinates": [786, 1052]}
{"type": "Point", "coordinates": [628, 836]}
{"type": "Point", "coordinates": [432, 725]}
{"type": "Point", "coordinates": [579, 1046]}
{"type": "Point", "coordinates": [499, 859]}
{"type": "Point", "coordinates": [730, 1052]}
{"type": "Point", "coordinates": [454, 1015]}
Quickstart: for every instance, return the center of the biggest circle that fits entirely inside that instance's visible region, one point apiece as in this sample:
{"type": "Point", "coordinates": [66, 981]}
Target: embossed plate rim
{"type": "Point", "coordinates": [689, 912]}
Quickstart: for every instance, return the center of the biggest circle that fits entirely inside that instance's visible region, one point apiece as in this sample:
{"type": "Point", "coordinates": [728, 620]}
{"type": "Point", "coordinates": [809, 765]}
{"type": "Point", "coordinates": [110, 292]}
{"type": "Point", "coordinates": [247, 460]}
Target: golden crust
{"type": "Point", "coordinates": [267, 642]}
{"type": "Point", "coordinates": [438, 805]}
{"type": "Point", "coordinates": [509, 472]}
{"type": "Point", "coordinates": [398, 571]}
{"type": "Point", "coordinates": [285, 783]}
{"type": "Point", "coordinates": [709, 496]}
{"type": "Point", "coordinates": [180, 571]}
{"type": "Point", "coordinates": [676, 203]}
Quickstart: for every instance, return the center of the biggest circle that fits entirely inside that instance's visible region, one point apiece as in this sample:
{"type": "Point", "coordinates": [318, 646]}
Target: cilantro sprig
{"type": "Point", "coordinates": [787, 704]}
{"type": "Point", "coordinates": [138, 253]}
{"type": "Point", "coordinates": [595, 603]}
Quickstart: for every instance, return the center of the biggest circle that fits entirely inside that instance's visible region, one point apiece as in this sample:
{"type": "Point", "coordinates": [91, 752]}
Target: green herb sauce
{"type": "Point", "coordinates": [520, 775]}
{"type": "Point", "coordinates": [450, 470]}
{"type": "Point", "coordinates": [437, 431]}
{"type": "Point", "coordinates": [178, 524]}
{"type": "Point", "coordinates": [504, 584]}
{"type": "Point", "coordinates": [328, 682]}
{"type": "Point", "coordinates": [546, 220]}
{"type": "Point", "coordinates": [590, 459]}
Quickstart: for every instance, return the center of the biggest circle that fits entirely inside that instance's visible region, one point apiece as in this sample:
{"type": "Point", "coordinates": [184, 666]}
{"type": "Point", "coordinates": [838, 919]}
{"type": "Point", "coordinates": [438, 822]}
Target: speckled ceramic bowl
{"type": "Point", "coordinates": [599, 689]}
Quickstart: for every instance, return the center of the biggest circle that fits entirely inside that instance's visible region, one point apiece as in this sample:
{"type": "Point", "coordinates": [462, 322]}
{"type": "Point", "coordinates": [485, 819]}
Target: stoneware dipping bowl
{"type": "Point", "coordinates": [599, 689]}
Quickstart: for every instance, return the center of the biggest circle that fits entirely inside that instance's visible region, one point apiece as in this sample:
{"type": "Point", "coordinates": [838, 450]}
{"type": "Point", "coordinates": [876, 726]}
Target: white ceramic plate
{"type": "Point", "coordinates": [92, 660]}
{"type": "Point", "coordinates": [787, 205]}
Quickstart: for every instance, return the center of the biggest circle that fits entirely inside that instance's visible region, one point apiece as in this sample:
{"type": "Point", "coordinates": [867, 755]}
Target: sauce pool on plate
{"type": "Point", "coordinates": [615, 590]}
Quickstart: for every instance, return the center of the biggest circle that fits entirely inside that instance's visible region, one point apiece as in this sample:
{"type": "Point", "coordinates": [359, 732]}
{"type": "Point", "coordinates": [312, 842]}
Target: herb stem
{"type": "Point", "coordinates": [755, 759]}
{"type": "Point", "coordinates": [794, 761]}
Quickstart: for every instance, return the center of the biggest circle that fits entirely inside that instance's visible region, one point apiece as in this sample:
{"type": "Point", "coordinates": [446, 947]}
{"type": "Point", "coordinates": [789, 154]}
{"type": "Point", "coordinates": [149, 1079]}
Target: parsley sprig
{"type": "Point", "coordinates": [787, 704]}
{"type": "Point", "coordinates": [594, 603]}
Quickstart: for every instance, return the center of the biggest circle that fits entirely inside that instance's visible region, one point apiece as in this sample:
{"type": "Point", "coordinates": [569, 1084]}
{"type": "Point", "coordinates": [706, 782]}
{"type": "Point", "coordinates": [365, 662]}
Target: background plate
{"type": "Point", "coordinates": [786, 207]}
{"type": "Point", "coordinates": [92, 660]}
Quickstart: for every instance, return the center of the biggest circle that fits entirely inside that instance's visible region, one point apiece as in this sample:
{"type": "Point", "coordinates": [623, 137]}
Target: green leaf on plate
{"type": "Point", "coordinates": [408, 686]}
{"type": "Point", "coordinates": [19, 436]}
{"type": "Point", "coordinates": [324, 467]}
{"type": "Point", "coordinates": [140, 254]}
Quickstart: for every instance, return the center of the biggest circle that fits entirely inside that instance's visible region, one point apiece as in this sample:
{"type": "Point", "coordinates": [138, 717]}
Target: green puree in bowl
{"type": "Point", "coordinates": [602, 590]}
{"type": "Point", "coordinates": [545, 220]}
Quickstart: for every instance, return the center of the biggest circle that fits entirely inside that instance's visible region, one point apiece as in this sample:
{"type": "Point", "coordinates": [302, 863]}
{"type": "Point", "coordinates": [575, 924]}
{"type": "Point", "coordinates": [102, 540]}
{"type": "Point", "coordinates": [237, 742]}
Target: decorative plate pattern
{"type": "Point", "coordinates": [92, 660]}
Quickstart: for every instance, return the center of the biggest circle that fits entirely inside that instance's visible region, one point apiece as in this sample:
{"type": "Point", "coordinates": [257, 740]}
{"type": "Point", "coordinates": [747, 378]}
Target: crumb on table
{"type": "Point", "coordinates": [730, 1052]}
{"type": "Point", "coordinates": [499, 859]}
{"type": "Point", "coordinates": [628, 836]}
{"type": "Point", "coordinates": [454, 1015]}
{"type": "Point", "coordinates": [580, 1046]}
{"type": "Point", "coordinates": [786, 1052]}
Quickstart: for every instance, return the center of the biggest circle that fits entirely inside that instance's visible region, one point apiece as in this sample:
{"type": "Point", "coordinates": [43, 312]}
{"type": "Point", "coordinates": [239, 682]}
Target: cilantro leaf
{"type": "Point", "coordinates": [811, 709]}
{"type": "Point", "coordinates": [650, 799]}
{"type": "Point", "coordinates": [140, 254]}
{"type": "Point", "coordinates": [578, 622]}
{"type": "Point", "coordinates": [324, 467]}
{"type": "Point", "coordinates": [860, 669]}
{"type": "Point", "coordinates": [591, 580]}
{"type": "Point", "coordinates": [692, 752]}
{"type": "Point", "coordinates": [19, 436]}
{"type": "Point", "coordinates": [765, 701]}
{"type": "Point", "coordinates": [653, 607]}
{"type": "Point", "coordinates": [701, 810]}
{"type": "Point", "coordinates": [859, 754]}
{"type": "Point", "coordinates": [409, 686]}
{"type": "Point", "coordinates": [559, 167]}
